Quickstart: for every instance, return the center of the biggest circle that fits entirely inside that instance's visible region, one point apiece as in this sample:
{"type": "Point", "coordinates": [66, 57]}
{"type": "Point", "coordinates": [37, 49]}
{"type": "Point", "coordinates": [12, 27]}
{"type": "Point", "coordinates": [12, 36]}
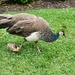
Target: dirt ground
{"type": "Point", "coordinates": [39, 4]}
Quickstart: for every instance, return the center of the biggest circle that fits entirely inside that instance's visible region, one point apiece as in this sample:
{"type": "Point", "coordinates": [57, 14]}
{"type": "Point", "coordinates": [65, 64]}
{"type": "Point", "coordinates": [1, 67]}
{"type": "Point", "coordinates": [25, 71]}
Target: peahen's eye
{"type": "Point", "coordinates": [61, 33]}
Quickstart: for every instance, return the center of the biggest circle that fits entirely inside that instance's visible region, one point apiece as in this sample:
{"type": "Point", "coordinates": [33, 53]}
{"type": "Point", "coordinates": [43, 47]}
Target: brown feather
{"type": "Point", "coordinates": [25, 24]}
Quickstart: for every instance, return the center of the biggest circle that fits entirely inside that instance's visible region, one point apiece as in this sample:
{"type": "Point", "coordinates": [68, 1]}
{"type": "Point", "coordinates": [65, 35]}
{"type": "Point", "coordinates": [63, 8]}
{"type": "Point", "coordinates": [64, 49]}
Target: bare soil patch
{"type": "Point", "coordinates": [38, 4]}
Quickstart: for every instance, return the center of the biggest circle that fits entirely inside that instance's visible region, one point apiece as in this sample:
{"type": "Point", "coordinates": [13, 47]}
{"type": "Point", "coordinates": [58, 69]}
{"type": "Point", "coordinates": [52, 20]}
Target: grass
{"type": "Point", "coordinates": [57, 58]}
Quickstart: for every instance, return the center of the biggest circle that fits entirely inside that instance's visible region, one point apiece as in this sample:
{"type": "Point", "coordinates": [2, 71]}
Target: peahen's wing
{"type": "Point", "coordinates": [23, 28]}
{"type": "Point", "coordinates": [24, 25]}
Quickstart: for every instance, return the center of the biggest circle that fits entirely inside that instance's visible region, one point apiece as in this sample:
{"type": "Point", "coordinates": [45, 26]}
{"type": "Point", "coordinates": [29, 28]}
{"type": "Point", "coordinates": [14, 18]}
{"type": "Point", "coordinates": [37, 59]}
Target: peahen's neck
{"type": "Point", "coordinates": [49, 36]}
{"type": "Point", "coordinates": [55, 36]}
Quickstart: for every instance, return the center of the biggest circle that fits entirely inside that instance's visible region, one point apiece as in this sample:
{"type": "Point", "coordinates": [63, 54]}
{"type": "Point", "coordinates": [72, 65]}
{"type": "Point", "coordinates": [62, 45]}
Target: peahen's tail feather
{"type": "Point", "coordinates": [5, 20]}
{"type": "Point", "coordinates": [5, 16]}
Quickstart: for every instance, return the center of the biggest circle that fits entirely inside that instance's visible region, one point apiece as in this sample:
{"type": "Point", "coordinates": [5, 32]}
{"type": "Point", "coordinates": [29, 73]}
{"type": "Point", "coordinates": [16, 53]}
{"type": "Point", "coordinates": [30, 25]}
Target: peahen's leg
{"type": "Point", "coordinates": [22, 43]}
{"type": "Point", "coordinates": [37, 46]}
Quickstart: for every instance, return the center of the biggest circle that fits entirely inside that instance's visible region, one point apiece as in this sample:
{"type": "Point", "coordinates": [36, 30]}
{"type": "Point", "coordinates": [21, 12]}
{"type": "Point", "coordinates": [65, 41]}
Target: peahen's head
{"type": "Point", "coordinates": [61, 32]}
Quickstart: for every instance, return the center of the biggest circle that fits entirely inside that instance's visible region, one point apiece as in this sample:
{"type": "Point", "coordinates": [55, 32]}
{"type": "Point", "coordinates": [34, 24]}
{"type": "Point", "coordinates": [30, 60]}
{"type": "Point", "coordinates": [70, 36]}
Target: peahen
{"type": "Point", "coordinates": [31, 27]}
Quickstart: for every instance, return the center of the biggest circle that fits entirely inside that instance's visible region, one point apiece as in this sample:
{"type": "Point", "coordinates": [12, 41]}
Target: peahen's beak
{"type": "Point", "coordinates": [64, 34]}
